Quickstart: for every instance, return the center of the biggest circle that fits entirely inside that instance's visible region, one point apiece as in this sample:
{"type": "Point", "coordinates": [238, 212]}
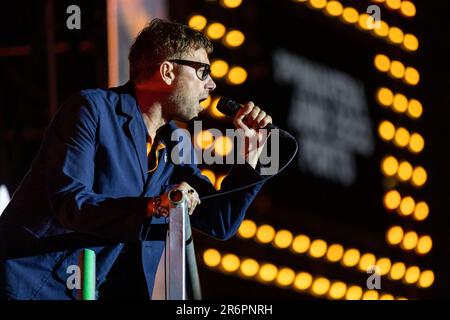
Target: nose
{"type": "Point", "coordinates": [210, 84]}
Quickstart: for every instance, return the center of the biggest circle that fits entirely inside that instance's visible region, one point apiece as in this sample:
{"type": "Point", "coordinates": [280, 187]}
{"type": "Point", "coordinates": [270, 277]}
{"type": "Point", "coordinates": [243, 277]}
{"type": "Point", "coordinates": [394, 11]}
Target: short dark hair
{"type": "Point", "coordinates": [161, 40]}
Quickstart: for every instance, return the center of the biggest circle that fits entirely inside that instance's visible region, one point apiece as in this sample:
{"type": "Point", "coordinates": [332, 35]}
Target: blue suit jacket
{"type": "Point", "coordinates": [88, 187]}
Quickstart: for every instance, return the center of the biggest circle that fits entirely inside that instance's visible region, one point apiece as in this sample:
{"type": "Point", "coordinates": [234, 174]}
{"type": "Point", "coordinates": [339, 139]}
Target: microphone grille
{"type": "Point", "coordinates": [228, 107]}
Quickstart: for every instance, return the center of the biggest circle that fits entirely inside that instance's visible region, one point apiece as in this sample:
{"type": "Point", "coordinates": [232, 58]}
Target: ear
{"type": "Point", "coordinates": [166, 71]}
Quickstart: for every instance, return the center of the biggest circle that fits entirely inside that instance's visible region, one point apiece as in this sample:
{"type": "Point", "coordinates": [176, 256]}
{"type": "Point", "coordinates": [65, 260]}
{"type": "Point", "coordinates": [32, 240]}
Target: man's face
{"type": "Point", "coordinates": [189, 90]}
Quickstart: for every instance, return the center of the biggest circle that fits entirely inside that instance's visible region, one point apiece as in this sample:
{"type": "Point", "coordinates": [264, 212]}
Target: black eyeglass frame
{"type": "Point", "coordinates": [197, 66]}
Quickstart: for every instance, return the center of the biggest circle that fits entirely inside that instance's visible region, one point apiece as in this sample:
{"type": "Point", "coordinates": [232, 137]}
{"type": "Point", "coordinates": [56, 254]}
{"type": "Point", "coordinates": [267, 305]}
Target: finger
{"type": "Point", "coordinates": [241, 114]}
{"type": "Point", "coordinates": [259, 118]}
{"type": "Point", "coordinates": [251, 117]}
{"type": "Point", "coordinates": [265, 121]}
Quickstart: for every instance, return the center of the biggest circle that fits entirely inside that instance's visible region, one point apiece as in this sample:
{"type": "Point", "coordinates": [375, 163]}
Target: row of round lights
{"type": "Point", "coordinates": [319, 249]}
{"type": "Point", "coordinates": [397, 70]}
{"type": "Point", "coordinates": [222, 145]}
{"type": "Point", "coordinates": [285, 277]}
{"type": "Point", "coordinates": [406, 206]}
{"type": "Point", "coordinates": [365, 22]}
{"type": "Point", "coordinates": [401, 137]}
{"type": "Point", "coordinates": [406, 8]}
{"type": "Point", "coordinates": [403, 171]}
{"type": "Point", "coordinates": [216, 179]}
{"type": "Point", "coordinates": [399, 103]}
{"type": "Point", "coordinates": [409, 240]}
{"type": "Point", "coordinates": [234, 75]}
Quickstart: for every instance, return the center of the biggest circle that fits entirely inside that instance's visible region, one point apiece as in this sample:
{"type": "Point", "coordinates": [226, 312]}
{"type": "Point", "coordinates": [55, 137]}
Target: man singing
{"type": "Point", "coordinates": [103, 176]}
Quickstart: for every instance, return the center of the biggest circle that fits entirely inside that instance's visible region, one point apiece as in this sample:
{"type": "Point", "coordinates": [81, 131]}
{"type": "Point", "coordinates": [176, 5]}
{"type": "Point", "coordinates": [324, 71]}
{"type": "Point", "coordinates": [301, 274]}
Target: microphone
{"type": "Point", "coordinates": [230, 108]}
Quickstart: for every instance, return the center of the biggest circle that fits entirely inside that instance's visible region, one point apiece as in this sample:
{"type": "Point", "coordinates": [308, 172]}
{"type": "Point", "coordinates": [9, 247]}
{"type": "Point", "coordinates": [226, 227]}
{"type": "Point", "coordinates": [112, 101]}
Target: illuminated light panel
{"type": "Point", "coordinates": [301, 244]}
{"type": "Point", "coordinates": [426, 279]}
{"type": "Point", "coordinates": [265, 233]}
{"type": "Point", "coordinates": [206, 103]}
{"type": "Point", "coordinates": [395, 35]}
{"type": "Point", "coordinates": [303, 281]}
{"type": "Point", "coordinates": [320, 286]}
{"type": "Point", "coordinates": [350, 15]}
{"type": "Point", "coordinates": [397, 69]}
{"type": "Point", "coordinates": [247, 229]}
{"type": "Point", "coordinates": [268, 272]}
{"type": "Point", "coordinates": [237, 75]}
{"type": "Point", "coordinates": [421, 211]}
{"type": "Point", "coordinates": [412, 76]}
{"type": "Point", "coordinates": [337, 290]}
{"type": "Point", "coordinates": [219, 69]}
{"type": "Point", "coordinates": [401, 138]}
{"type": "Point", "coordinates": [204, 139]}
{"type": "Point", "coordinates": [392, 199]}
{"type": "Point", "coordinates": [213, 109]}
{"type": "Point", "coordinates": [389, 166]}
{"type": "Point", "coordinates": [234, 38]}
{"type": "Point", "coordinates": [197, 22]}
{"type": "Point", "coordinates": [283, 239]}
{"type": "Point", "coordinates": [405, 171]}
{"type": "Point", "coordinates": [354, 293]}
{"type": "Point", "coordinates": [370, 295]}
{"type": "Point", "coordinates": [394, 235]}
{"type": "Point", "coordinates": [382, 62]}
{"type": "Point", "coordinates": [384, 96]}
{"type": "Point", "coordinates": [408, 9]}
{"type": "Point", "coordinates": [384, 264]}
{"type": "Point", "coordinates": [398, 270]}
{"type": "Point", "coordinates": [386, 130]}
{"type": "Point", "coordinates": [367, 260]}
{"type": "Point", "coordinates": [351, 257]}
{"type": "Point", "coordinates": [223, 145]}
{"type": "Point", "coordinates": [212, 257]}
{"type": "Point", "coordinates": [424, 245]}
{"type": "Point", "coordinates": [318, 248]}
{"type": "Point", "coordinates": [407, 206]}
{"type": "Point", "coordinates": [230, 4]}
{"type": "Point", "coordinates": [416, 143]}
{"type": "Point", "coordinates": [412, 275]}
{"type": "Point", "coordinates": [410, 240]}
{"type": "Point", "coordinates": [415, 109]}
{"type": "Point", "coordinates": [210, 175]}
{"type": "Point", "coordinates": [410, 42]}
{"type": "Point", "coordinates": [219, 180]}
{"type": "Point", "coordinates": [317, 4]}
{"type": "Point", "coordinates": [400, 103]}
{"type": "Point", "coordinates": [249, 267]}
{"type": "Point", "coordinates": [335, 252]}
{"type": "Point", "coordinates": [419, 177]}
{"type": "Point", "coordinates": [215, 30]}
{"type": "Point", "coordinates": [334, 8]}
{"type": "Point", "coordinates": [285, 277]}
{"type": "Point", "coordinates": [230, 262]}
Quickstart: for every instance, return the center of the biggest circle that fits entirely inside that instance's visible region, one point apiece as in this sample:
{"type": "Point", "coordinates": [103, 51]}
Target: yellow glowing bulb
{"type": "Point", "coordinates": [404, 171]}
{"type": "Point", "coordinates": [334, 8]}
{"type": "Point", "coordinates": [223, 145]}
{"type": "Point", "coordinates": [422, 211]}
{"type": "Point", "coordinates": [386, 130]}
{"type": "Point", "coordinates": [230, 262]}
{"type": "Point", "coordinates": [249, 267]}
{"type": "Point", "coordinates": [318, 248]}
{"type": "Point", "coordinates": [392, 199]}
{"type": "Point", "coordinates": [397, 69]}
{"type": "Point", "coordinates": [410, 42]}
{"type": "Point", "coordinates": [384, 96]}
{"type": "Point", "coordinates": [415, 109]}
{"type": "Point", "coordinates": [236, 76]}
{"type": "Point", "coordinates": [247, 229]}
{"type": "Point", "coordinates": [230, 4]}
{"type": "Point", "coordinates": [370, 295]}
{"type": "Point", "coordinates": [303, 281]}
{"type": "Point", "coordinates": [350, 15]}
{"type": "Point", "coordinates": [398, 270]}
{"type": "Point", "coordinates": [382, 31]}
{"type": "Point", "coordinates": [393, 4]}
{"type": "Point", "coordinates": [265, 233]}
{"type": "Point", "coordinates": [426, 279]}
{"type": "Point", "coordinates": [283, 239]}
{"type": "Point", "coordinates": [401, 138]}
{"type": "Point", "coordinates": [234, 38]}
{"type": "Point", "coordinates": [412, 275]}
{"type": "Point", "coordinates": [400, 103]}
{"type": "Point", "coordinates": [206, 103]}
{"type": "Point", "coordinates": [213, 109]}
{"type": "Point", "coordinates": [408, 9]}
{"type": "Point", "coordinates": [419, 177]}
{"type": "Point", "coordinates": [268, 272]}
{"type": "Point", "coordinates": [407, 206]}
{"type": "Point", "coordinates": [285, 277]}
{"type": "Point", "coordinates": [210, 175]}
{"type": "Point", "coordinates": [317, 4]}
{"type": "Point", "coordinates": [367, 260]}
{"type": "Point", "coordinates": [410, 240]}
{"type": "Point", "coordinates": [212, 257]}
{"type": "Point", "coordinates": [412, 76]}
{"type": "Point", "coordinates": [424, 245]}
{"type": "Point", "coordinates": [416, 143]}
{"type": "Point", "coordinates": [382, 62]}
{"type": "Point", "coordinates": [337, 290]}
{"type": "Point", "coordinates": [351, 257]}
{"type": "Point", "coordinates": [301, 244]}
{"type": "Point", "coordinates": [320, 286]}
{"type": "Point", "coordinates": [335, 252]}
{"type": "Point", "coordinates": [219, 69]}
{"type": "Point", "coordinates": [389, 166]}
{"type": "Point", "coordinates": [197, 22]}
{"type": "Point", "coordinates": [387, 296]}
{"type": "Point", "coordinates": [395, 35]}
{"type": "Point", "coordinates": [354, 293]}
{"type": "Point", "coordinates": [365, 22]}
{"type": "Point", "coordinates": [384, 264]}
{"type": "Point", "coordinates": [394, 235]}
{"type": "Point", "coordinates": [204, 139]}
{"type": "Point", "coordinates": [215, 30]}
{"type": "Point", "coordinates": [219, 180]}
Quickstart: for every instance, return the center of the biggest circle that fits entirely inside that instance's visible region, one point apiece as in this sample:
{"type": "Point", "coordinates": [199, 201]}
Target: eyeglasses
{"type": "Point", "coordinates": [201, 69]}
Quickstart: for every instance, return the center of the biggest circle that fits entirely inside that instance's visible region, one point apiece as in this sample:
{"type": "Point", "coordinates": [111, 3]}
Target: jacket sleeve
{"type": "Point", "coordinates": [221, 216]}
{"type": "Point", "coordinates": [70, 165]}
